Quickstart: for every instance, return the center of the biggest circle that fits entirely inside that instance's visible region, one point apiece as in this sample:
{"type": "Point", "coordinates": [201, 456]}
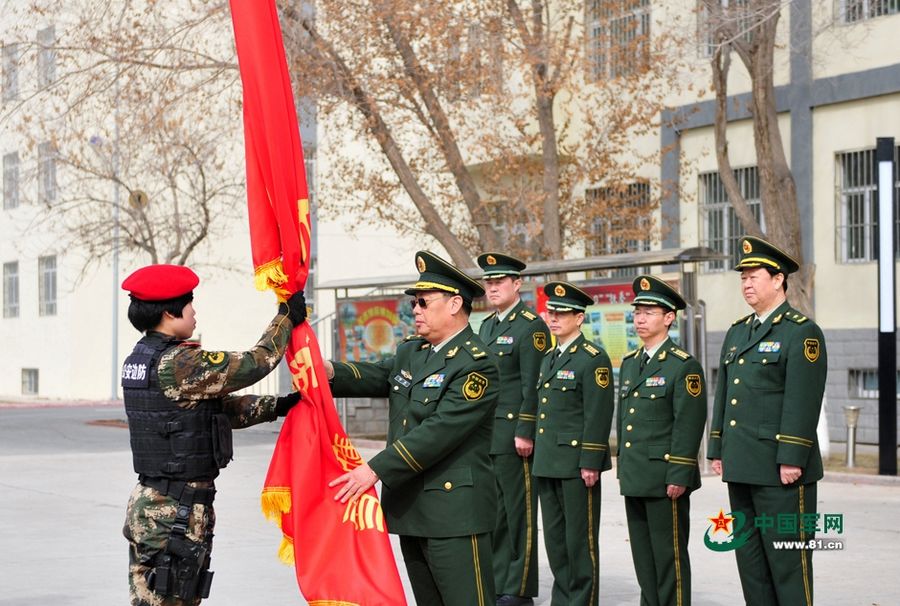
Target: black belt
{"type": "Point", "coordinates": [175, 488]}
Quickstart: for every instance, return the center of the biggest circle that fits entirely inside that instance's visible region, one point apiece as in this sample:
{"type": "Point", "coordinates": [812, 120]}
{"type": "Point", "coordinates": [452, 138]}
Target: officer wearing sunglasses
{"type": "Point", "coordinates": [438, 487]}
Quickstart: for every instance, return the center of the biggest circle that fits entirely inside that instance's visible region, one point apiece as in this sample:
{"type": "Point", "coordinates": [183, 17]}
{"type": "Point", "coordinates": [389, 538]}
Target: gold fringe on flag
{"type": "Point", "coordinates": [275, 502]}
{"type": "Point", "coordinates": [271, 276]}
{"type": "Point", "coordinates": [286, 550]}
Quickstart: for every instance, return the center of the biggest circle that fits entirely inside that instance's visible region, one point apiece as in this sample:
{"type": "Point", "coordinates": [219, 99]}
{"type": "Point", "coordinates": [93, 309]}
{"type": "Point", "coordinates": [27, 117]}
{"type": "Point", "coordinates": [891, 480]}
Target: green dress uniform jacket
{"type": "Point", "coordinates": [576, 402]}
{"type": "Point", "coordinates": [575, 410]}
{"type": "Point", "coordinates": [436, 469]}
{"type": "Point", "coordinates": [519, 341]}
{"type": "Point", "coordinates": [662, 412]}
{"type": "Point", "coordinates": [768, 398]}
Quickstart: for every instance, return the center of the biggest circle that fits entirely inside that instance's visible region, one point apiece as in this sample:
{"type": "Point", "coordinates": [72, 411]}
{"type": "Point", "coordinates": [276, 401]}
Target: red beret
{"type": "Point", "coordinates": [160, 282]}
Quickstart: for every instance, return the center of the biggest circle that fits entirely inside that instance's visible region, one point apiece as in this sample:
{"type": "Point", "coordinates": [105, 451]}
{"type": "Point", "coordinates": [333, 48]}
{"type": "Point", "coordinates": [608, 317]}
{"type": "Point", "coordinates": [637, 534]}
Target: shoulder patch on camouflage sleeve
{"type": "Point", "coordinates": [591, 349]}
{"type": "Point", "coordinates": [680, 353]}
{"type": "Point", "coordinates": [528, 315]}
{"type": "Point", "coordinates": [214, 358]}
{"type": "Point", "coordinates": [742, 319]}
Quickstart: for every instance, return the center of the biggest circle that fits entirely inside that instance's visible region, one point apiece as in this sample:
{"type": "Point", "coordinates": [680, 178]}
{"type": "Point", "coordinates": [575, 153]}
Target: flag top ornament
{"type": "Point", "coordinates": [341, 552]}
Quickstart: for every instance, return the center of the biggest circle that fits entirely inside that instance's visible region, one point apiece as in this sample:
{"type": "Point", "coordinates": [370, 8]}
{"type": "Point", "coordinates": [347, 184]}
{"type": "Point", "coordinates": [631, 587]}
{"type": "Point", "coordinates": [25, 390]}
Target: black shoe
{"type": "Point", "coordinates": [514, 600]}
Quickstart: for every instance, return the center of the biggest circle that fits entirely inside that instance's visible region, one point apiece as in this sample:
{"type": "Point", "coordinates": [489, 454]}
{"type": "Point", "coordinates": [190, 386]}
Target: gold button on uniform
{"type": "Point", "coordinates": [733, 401]}
{"type": "Point", "coordinates": [574, 442]}
{"type": "Point", "coordinates": [636, 394]}
{"type": "Point", "coordinates": [541, 430]}
{"type": "Point", "coordinates": [499, 353]}
{"type": "Point", "coordinates": [563, 388]}
{"type": "Point", "coordinates": [396, 388]}
{"type": "Point", "coordinates": [628, 427]}
{"type": "Point", "coordinates": [666, 456]}
{"type": "Point", "coordinates": [543, 416]}
{"type": "Point", "coordinates": [627, 444]}
{"type": "Point", "coordinates": [631, 411]}
{"type": "Point", "coordinates": [543, 400]}
{"type": "Point", "coordinates": [546, 385]}
{"type": "Point", "coordinates": [777, 436]}
{"type": "Point", "coordinates": [736, 381]}
{"type": "Point", "coordinates": [653, 396]}
{"type": "Point", "coordinates": [404, 422]}
{"type": "Point", "coordinates": [733, 423]}
{"type": "Point", "coordinates": [448, 485]}
{"type": "Point", "coordinates": [510, 415]}
{"type": "Point", "coordinates": [741, 361]}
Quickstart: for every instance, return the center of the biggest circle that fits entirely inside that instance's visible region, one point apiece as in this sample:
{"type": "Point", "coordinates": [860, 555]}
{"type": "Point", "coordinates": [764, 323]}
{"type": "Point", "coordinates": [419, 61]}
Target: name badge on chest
{"type": "Point", "coordinates": [566, 375]}
{"type": "Point", "coordinates": [655, 381]}
{"type": "Point", "coordinates": [434, 381]}
{"type": "Point", "coordinates": [769, 347]}
{"type": "Point", "coordinates": [505, 340]}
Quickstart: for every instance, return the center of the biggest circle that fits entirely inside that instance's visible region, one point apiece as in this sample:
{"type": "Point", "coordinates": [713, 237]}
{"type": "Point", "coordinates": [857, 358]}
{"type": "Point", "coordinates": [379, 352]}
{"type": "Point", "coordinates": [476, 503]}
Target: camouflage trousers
{"type": "Point", "coordinates": [148, 523]}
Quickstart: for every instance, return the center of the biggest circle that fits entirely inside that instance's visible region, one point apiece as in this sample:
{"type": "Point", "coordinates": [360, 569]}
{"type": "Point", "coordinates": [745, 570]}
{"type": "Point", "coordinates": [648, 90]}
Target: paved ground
{"type": "Point", "coordinates": [65, 481]}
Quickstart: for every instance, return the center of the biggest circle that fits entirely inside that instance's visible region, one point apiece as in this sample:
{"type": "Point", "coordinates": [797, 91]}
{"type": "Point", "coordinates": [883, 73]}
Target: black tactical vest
{"type": "Point", "coordinates": [168, 441]}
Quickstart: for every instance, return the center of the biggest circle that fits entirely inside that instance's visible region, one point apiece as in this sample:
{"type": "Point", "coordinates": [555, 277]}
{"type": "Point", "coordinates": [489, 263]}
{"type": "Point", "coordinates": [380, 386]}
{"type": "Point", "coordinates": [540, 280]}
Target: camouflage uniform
{"type": "Point", "coordinates": [190, 375]}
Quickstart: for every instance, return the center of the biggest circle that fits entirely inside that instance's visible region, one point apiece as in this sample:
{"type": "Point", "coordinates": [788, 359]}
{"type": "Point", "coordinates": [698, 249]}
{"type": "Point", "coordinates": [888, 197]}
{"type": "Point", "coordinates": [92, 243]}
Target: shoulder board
{"type": "Point", "coordinates": [742, 319]}
{"type": "Point", "coordinates": [630, 354]}
{"type": "Point", "coordinates": [550, 350]}
{"type": "Point", "coordinates": [528, 315]}
{"type": "Point", "coordinates": [411, 337]}
{"type": "Point", "coordinates": [474, 350]}
{"type": "Point", "coordinates": [795, 316]}
{"type": "Point", "coordinates": [591, 349]}
{"type": "Point", "coordinates": [680, 353]}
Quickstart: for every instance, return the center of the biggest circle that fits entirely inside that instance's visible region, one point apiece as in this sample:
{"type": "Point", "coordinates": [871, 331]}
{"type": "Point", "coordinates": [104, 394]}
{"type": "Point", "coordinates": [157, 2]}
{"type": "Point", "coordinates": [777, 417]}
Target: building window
{"type": "Point", "coordinates": [10, 180]}
{"type": "Point", "coordinates": [736, 21]}
{"type": "Point", "coordinates": [618, 38]}
{"type": "Point", "coordinates": [11, 289]}
{"type": "Point", "coordinates": [47, 173]}
{"type": "Point", "coordinates": [47, 285]}
{"type": "Point", "coordinates": [46, 59]}
{"type": "Point", "coordinates": [30, 381]}
{"type": "Point", "coordinates": [10, 72]}
{"type": "Point", "coordinates": [853, 11]}
{"type": "Point", "coordinates": [722, 230]}
{"type": "Point", "coordinates": [857, 224]}
{"type": "Point", "coordinates": [864, 384]}
{"type": "Point", "coordinates": [624, 228]}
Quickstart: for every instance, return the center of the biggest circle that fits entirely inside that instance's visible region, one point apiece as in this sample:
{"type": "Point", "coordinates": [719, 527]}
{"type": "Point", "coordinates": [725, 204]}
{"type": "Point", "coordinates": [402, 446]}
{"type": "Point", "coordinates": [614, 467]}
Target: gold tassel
{"type": "Point", "coordinates": [274, 503]}
{"type": "Point", "coordinates": [271, 275]}
{"type": "Point", "coordinates": [286, 551]}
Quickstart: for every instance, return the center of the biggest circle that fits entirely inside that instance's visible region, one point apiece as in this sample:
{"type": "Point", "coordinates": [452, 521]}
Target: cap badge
{"type": "Point", "coordinates": [645, 284]}
{"type": "Point", "coordinates": [559, 291]}
{"type": "Point", "coordinates": [491, 260]}
{"type": "Point", "coordinates": [420, 264]}
{"type": "Point", "coordinates": [748, 248]}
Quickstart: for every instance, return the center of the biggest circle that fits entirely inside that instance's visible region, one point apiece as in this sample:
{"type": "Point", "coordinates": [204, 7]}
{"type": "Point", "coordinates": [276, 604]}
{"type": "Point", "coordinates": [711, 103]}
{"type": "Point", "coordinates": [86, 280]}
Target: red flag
{"type": "Point", "coordinates": [341, 552]}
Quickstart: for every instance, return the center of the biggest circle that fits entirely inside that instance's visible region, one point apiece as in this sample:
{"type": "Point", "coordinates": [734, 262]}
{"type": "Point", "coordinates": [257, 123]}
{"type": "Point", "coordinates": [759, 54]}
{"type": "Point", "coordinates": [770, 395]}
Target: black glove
{"type": "Point", "coordinates": [295, 307]}
{"type": "Point", "coordinates": [284, 403]}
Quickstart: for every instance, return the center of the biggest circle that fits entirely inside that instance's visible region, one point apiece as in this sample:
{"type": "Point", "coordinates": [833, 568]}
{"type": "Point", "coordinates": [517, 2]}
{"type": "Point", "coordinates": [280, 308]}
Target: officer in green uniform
{"type": "Point", "coordinates": [439, 492]}
{"type": "Point", "coordinates": [181, 411]}
{"type": "Point", "coordinates": [762, 440]}
{"type": "Point", "coordinates": [571, 447]}
{"type": "Point", "coordinates": [519, 338]}
{"type": "Point", "coordinates": [662, 411]}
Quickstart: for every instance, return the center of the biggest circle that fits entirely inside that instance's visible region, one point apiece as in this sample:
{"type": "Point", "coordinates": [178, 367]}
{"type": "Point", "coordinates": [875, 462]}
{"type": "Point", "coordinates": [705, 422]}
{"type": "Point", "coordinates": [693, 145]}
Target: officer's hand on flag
{"type": "Point", "coordinates": [355, 483]}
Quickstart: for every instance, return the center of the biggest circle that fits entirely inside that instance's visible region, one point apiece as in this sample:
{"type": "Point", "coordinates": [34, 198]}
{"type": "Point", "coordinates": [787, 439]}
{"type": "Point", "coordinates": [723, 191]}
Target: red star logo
{"type": "Point", "coordinates": [721, 522]}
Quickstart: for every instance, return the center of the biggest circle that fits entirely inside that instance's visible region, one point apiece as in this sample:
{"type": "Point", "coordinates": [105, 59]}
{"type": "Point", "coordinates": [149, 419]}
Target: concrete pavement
{"type": "Point", "coordinates": [65, 482]}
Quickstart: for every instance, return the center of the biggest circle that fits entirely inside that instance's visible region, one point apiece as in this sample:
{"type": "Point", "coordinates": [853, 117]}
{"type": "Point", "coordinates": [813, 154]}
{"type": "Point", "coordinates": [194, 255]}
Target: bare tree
{"type": "Point", "coordinates": [489, 114]}
{"type": "Point", "coordinates": [143, 119]}
{"type": "Point", "coordinates": [748, 30]}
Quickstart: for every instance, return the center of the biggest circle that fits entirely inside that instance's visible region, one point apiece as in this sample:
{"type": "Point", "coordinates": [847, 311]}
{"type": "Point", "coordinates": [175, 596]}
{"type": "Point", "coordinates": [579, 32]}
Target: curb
{"type": "Point", "coordinates": [861, 478]}
{"type": "Point", "coordinates": [63, 404]}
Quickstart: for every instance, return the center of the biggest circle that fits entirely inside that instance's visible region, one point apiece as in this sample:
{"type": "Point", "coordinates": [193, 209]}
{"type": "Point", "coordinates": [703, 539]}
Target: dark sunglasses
{"type": "Point", "coordinates": [422, 301]}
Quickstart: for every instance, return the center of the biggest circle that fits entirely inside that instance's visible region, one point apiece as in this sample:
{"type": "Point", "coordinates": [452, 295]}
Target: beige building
{"type": "Point", "coordinates": [837, 73]}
